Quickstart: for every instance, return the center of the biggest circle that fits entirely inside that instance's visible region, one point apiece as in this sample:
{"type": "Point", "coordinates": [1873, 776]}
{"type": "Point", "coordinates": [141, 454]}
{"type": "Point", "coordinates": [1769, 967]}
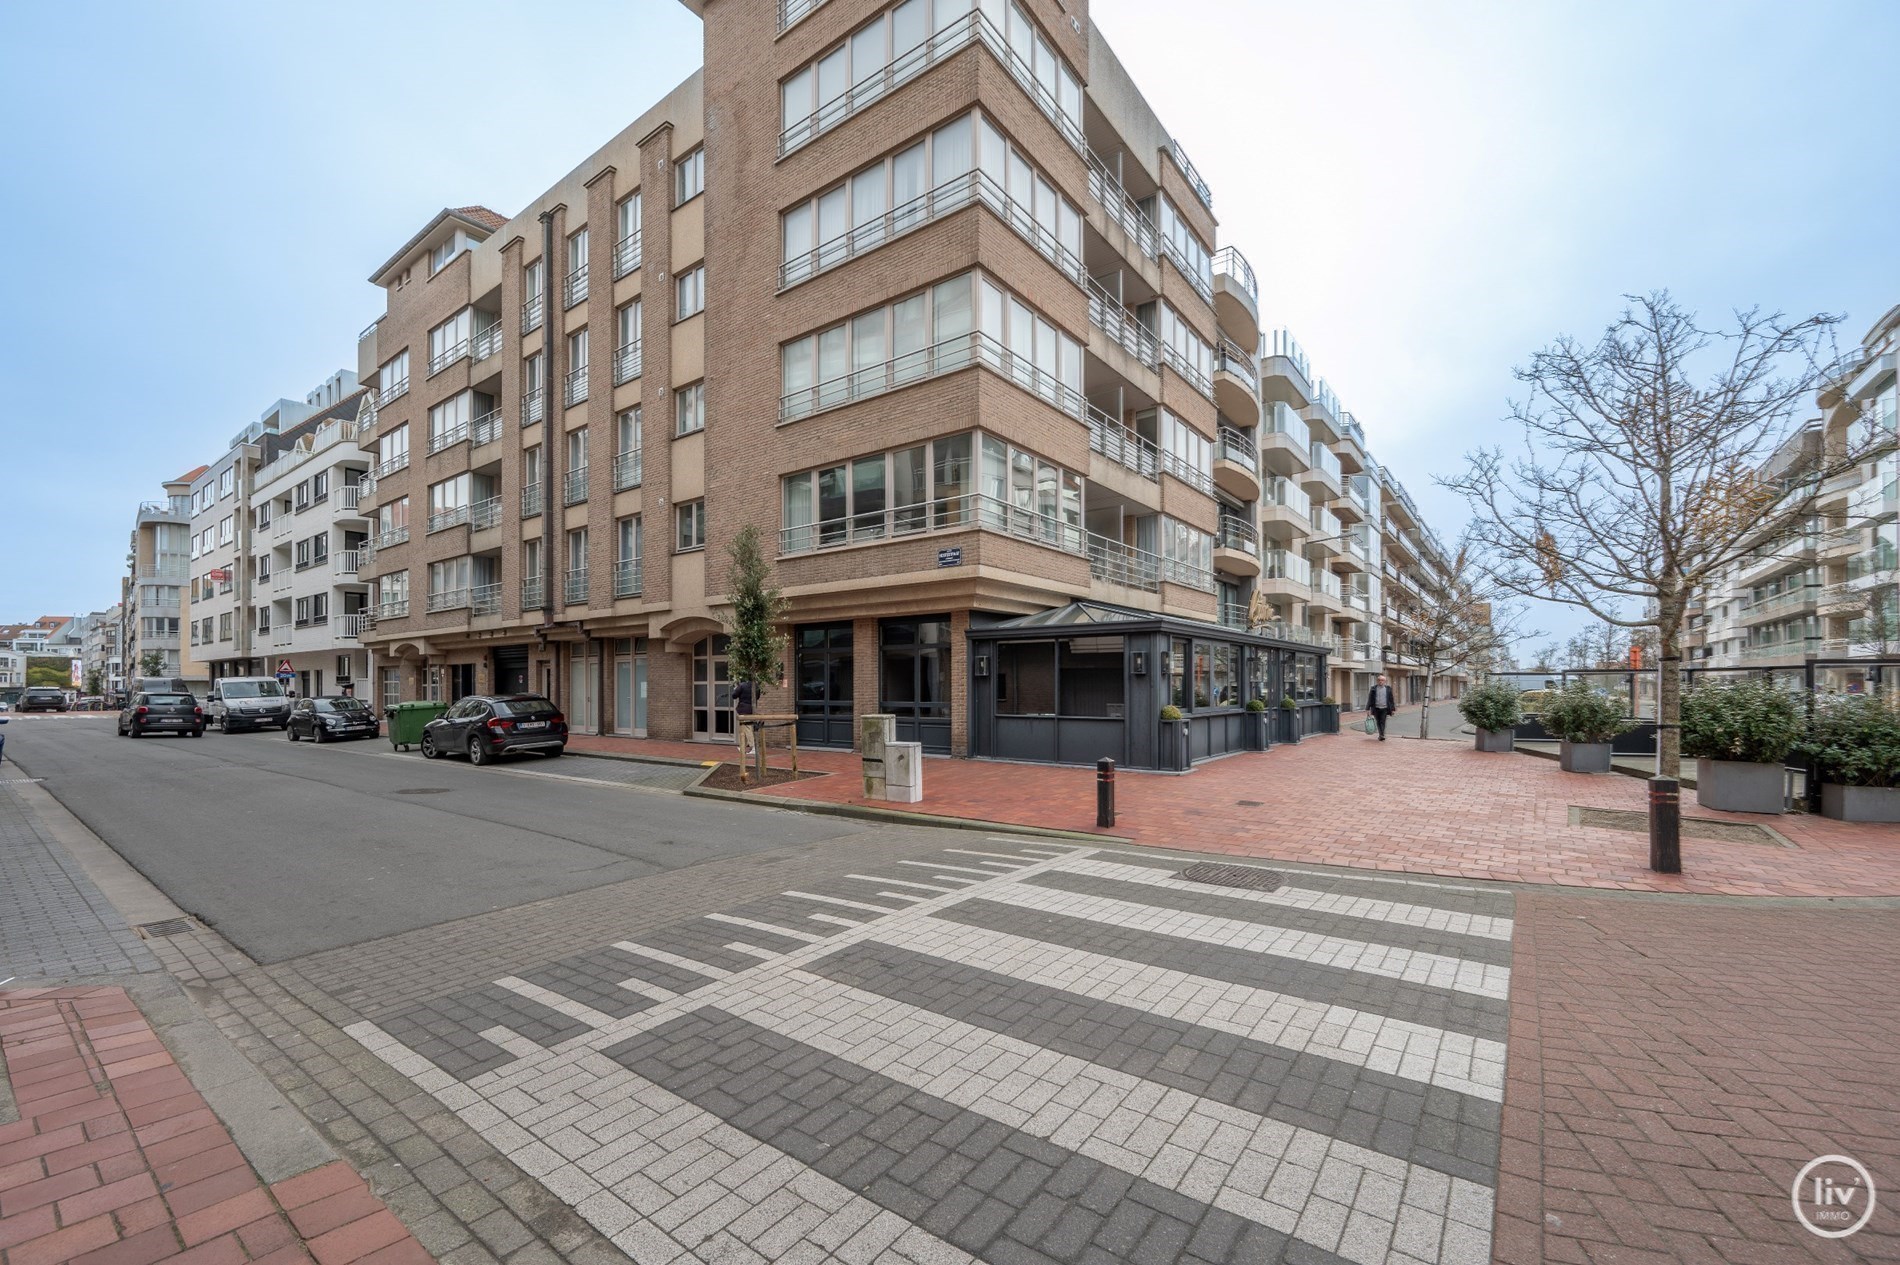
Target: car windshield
{"type": "Point", "coordinates": [341, 705]}
{"type": "Point", "coordinates": [168, 699]}
{"type": "Point", "coordinates": [253, 689]}
{"type": "Point", "coordinates": [527, 707]}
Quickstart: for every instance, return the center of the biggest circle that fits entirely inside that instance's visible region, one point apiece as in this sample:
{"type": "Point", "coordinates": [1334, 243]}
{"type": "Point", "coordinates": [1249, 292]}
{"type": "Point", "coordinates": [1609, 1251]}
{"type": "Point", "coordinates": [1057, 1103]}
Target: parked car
{"type": "Point", "coordinates": [168, 712]}
{"type": "Point", "coordinates": [485, 726]}
{"type": "Point", "coordinates": [331, 716]}
{"type": "Point", "coordinates": [43, 698]}
{"type": "Point", "coordinates": [158, 685]}
{"type": "Point", "coordinates": [90, 703]}
{"type": "Point", "coordinates": [247, 702]}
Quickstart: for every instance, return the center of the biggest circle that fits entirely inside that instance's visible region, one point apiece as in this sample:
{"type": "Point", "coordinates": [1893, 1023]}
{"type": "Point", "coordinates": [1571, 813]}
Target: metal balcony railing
{"type": "Point", "coordinates": [575, 390]}
{"type": "Point", "coordinates": [449, 600]}
{"type": "Point", "coordinates": [484, 599]}
{"type": "Point", "coordinates": [1234, 615]}
{"type": "Point", "coordinates": [627, 362]}
{"type": "Point", "coordinates": [487, 342]}
{"type": "Point", "coordinates": [574, 586]}
{"type": "Point", "coordinates": [1123, 446]}
{"type": "Point", "coordinates": [1106, 188]}
{"type": "Point", "coordinates": [392, 608]}
{"type": "Point", "coordinates": [626, 254]}
{"type": "Point", "coordinates": [948, 356]}
{"type": "Point", "coordinates": [1231, 359]}
{"type": "Point", "coordinates": [485, 429]}
{"type": "Point", "coordinates": [531, 500]}
{"type": "Point", "coordinates": [1108, 315]}
{"type": "Point", "coordinates": [532, 594]}
{"type": "Point", "coordinates": [442, 520]}
{"type": "Point", "coordinates": [390, 538]}
{"type": "Point", "coordinates": [574, 486]}
{"type": "Point", "coordinates": [531, 314]}
{"type": "Point", "coordinates": [627, 577]}
{"type": "Point", "coordinates": [448, 437]}
{"type": "Point", "coordinates": [350, 561]}
{"type": "Point", "coordinates": [1229, 262]}
{"type": "Point", "coordinates": [393, 391]}
{"type": "Point", "coordinates": [349, 626]}
{"type": "Point", "coordinates": [390, 465]}
{"type": "Point", "coordinates": [484, 514]}
{"type": "Point", "coordinates": [532, 405]}
{"type": "Point", "coordinates": [574, 287]}
{"type": "Point", "coordinates": [1237, 447]}
{"type": "Point", "coordinates": [792, 11]}
{"type": "Point", "coordinates": [1238, 533]}
{"type": "Point", "coordinates": [1194, 180]}
{"type": "Point", "coordinates": [448, 355]}
{"type": "Point", "coordinates": [627, 470]}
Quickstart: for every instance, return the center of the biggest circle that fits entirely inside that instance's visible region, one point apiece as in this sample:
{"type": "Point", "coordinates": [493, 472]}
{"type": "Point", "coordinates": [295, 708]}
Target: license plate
{"type": "Point", "coordinates": [164, 720]}
{"type": "Point", "coordinates": [534, 724]}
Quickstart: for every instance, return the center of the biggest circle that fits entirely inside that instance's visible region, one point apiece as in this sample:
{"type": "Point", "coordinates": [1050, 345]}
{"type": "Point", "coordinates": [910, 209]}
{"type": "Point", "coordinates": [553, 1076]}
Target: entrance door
{"type": "Point", "coordinates": [824, 684]}
{"type": "Point", "coordinates": [914, 679]}
{"type": "Point", "coordinates": [712, 690]}
{"type": "Point", "coordinates": [630, 688]}
{"type": "Point", "coordinates": [511, 670]}
{"type": "Point", "coordinates": [583, 694]}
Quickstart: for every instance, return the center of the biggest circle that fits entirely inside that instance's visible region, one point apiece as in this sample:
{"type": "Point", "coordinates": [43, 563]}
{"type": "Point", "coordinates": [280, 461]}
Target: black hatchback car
{"type": "Point", "coordinates": [162, 714]}
{"type": "Point", "coordinates": [331, 716]}
{"type": "Point", "coordinates": [484, 726]}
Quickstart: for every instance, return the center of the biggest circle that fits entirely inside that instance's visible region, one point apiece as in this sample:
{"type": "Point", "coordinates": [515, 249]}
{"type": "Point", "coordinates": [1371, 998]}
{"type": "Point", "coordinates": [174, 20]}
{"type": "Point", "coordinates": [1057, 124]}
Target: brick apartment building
{"type": "Point", "coordinates": [927, 294]}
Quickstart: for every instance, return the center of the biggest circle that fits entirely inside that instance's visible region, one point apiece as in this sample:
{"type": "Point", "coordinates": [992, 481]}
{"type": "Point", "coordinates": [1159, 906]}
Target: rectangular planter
{"type": "Point", "coordinates": [1583, 757]}
{"type": "Point", "coordinates": [1496, 740]}
{"type": "Point", "coordinates": [1860, 803]}
{"type": "Point", "coordinates": [1740, 786]}
{"type": "Point", "coordinates": [1172, 754]}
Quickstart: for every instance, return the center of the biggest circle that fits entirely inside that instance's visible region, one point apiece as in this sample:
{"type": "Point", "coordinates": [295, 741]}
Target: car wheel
{"type": "Point", "coordinates": [429, 750]}
{"type": "Point", "coordinates": [121, 731]}
{"type": "Point", "coordinates": [198, 732]}
{"type": "Point", "coordinates": [137, 732]}
{"type": "Point", "coordinates": [478, 752]}
{"type": "Point", "coordinates": [290, 733]}
{"type": "Point", "coordinates": [551, 752]}
{"type": "Point", "coordinates": [318, 736]}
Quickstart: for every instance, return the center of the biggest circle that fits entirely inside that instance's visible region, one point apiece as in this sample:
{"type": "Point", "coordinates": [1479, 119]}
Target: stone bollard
{"type": "Point", "coordinates": [875, 733]}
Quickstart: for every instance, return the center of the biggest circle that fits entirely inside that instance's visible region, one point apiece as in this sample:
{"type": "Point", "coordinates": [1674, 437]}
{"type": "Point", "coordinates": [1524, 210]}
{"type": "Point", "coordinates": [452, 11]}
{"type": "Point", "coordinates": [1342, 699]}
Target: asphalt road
{"type": "Point", "coordinates": [289, 848]}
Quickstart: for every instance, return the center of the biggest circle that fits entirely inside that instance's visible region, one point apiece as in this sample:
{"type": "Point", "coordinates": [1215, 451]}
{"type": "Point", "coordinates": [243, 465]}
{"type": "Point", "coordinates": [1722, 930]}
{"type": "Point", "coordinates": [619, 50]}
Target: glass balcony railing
{"type": "Point", "coordinates": [1237, 533]}
{"type": "Point", "coordinates": [1324, 460]}
{"type": "Point", "coordinates": [1284, 564]}
{"type": "Point", "coordinates": [1282, 420]}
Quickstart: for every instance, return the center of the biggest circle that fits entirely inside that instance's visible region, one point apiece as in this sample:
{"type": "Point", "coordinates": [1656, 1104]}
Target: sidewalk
{"type": "Point", "coordinates": [109, 1154]}
{"type": "Point", "coordinates": [1421, 807]}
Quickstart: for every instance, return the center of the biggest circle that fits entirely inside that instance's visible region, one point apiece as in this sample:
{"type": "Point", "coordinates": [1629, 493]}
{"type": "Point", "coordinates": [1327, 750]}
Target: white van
{"type": "Point", "coordinates": [246, 702]}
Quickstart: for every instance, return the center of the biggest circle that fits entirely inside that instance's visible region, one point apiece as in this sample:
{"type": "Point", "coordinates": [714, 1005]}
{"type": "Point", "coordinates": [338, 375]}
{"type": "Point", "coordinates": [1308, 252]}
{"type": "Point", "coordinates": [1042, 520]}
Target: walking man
{"type": "Point", "coordinates": [1381, 703]}
{"type": "Point", "coordinates": [745, 698]}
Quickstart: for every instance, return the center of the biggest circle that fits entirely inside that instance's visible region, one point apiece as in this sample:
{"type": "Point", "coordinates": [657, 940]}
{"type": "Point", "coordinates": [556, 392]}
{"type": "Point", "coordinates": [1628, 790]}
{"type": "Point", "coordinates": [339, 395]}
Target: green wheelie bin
{"type": "Point", "coordinates": [407, 719]}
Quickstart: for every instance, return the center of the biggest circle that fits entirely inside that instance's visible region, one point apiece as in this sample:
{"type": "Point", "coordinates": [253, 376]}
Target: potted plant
{"type": "Point", "coordinates": [1853, 741]}
{"type": "Point", "coordinates": [1584, 721]}
{"type": "Point", "coordinates": [1492, 709]}
{"type": "Point", "coordinates": [1740, 734]}
{"type": "Point", "coordinates": [1257, 737]}
{"type": "Point", "coordinates": [1289, 720]}
{"type": "Point", "coordinates": [1174, 739]}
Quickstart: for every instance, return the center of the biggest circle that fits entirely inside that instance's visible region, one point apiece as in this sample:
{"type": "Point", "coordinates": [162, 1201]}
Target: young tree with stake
{"type": "Point", "coordinates": [756, 649]}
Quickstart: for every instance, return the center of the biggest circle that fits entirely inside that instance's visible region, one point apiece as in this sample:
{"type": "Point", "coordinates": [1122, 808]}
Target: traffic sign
{"type": "Point", "coordinates": [284, 668]}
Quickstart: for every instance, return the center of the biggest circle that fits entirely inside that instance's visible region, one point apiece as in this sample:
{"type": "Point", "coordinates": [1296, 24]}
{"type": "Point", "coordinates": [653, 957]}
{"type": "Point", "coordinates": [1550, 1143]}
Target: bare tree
{"type": "Point", "coordinates": [1455, 620]}
{"type": "Point", "coordinates": [1874, 618]}
{"type": "Point", "coordinates": [1603, 646]}
{"type": "Point", "coordinates": [1652, 459]}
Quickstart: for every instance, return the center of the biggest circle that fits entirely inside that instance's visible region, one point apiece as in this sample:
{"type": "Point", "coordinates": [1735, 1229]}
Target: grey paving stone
{"type": "Point", "coordinates": [55, 924]}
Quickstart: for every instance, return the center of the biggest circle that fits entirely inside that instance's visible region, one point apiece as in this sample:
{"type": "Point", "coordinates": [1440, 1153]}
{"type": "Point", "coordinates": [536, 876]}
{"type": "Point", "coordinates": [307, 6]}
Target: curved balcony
{"type": "Point", "coordinates": [1236, 384]}
{"type": "Point", "coordinates": [1236, 297]}
{"type": "Point", "coordinates": [1236, 547]}
{"type": "Point", "coordinates": [1236, 469]}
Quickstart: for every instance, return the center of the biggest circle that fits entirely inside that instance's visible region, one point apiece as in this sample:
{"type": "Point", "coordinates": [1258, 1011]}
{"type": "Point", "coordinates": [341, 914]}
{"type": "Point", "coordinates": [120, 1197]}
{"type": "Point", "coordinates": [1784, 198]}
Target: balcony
{"type": "Point", "coordinates": [574, 587]}
{"type": "Point", "coordinates": [575, 389]}
{"type": "Point", "coordinates": [1236, 384]}
{"type": "Point", "coordinates": [485, 514]}
{"type": "Point", "coordinates": [1322, 476]}
{"type": "Point", "coordinates": [392, 608]}
{"type": "Point", "coordinates": [1285, 574]}
{"type": "Point", "coordinates": [442, 520]}
{"type": "Point", "coordinates": [448, 600]}
{"type": "Point", "coordinates": [390, 465]}
{"type": "Point", "coordinates": [350, 626]}
{"type": "Point", "coordinates": [948, 356]}
{"type": "Point", "coordinates": [390, 538]}
{"type": "Point", "coordinates": [1841, 599]}
{"type": "Point", "coordinates": [448, 437]}
{"type": "Point", "coordinates": [448, 356]}
{"type": "Point", "coordinates": [790, 12]}
{"type": "Point", "coordinates": [351, 561]}
{"type": "Point", "coordinates": [1236, 296]}
{"type": "Point", "coordinates": [574, 287]}
{"type": "Point", "coordinates": [574, 486]}
{"type": "Point", "coordinates": [485, 429]}
{"type": "Point", "coordinates": [484, 599]}
{"type": "Point", "coordinates": [164, 572]}
{"type": "Point", "coordinates": [392, 392]}
{"type": "Point", "coordinates": [531, 500]}
{"type": "Point", "coordinates": [627, 578]}
{"type": "Point", "coordinates": [487, 342]}
{"type": "Point", "coordinates": [1233, 615]}
{"type": "Point", "coordinates": [627, 362]}
{"type": "Point", "coordinates": [532, 405]}
{"type": "Point", "coordinates": [626, 254]}
{"type": "Point", "coordinates": [1780, 605]}
{"type": "Point", "coordinates": [531, 315]}
{"type": "Point", "coordinates": [348, 501]}
{"type": "Point", "coordinates": [1236, 469]}
{"type": "Point", "coordinates": [1108, 315]}
{"type": "Point", "coordinates": [627, 470]}
{"type": "Point", "coordinates": [1236, 547]}
{"type": "Point", "coordinates": [1194, 180]}
{"type": "Point", "coordinates": [1282, 502]}
{"type": "Point", "coordinates": [1106, 188]}
{"type": "Point", "coordinates": [1123, 446]}
{"type": "Point", "coordinates": [532, 595]}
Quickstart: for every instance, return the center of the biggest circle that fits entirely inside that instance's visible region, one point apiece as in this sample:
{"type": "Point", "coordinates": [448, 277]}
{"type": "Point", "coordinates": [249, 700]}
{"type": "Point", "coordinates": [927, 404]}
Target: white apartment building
{"type": "Point", "coordinates": [152, 592]}
{"type": "Point", "coordinates": [1830, 595]}
{"type": "Point", "coordinates": [310, 540]}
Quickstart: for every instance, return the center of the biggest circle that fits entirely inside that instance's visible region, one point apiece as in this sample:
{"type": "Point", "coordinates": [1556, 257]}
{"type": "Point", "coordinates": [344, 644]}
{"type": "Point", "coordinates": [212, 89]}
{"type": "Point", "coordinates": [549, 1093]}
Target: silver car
{"type": "Point", "coordinates": [247, 702]}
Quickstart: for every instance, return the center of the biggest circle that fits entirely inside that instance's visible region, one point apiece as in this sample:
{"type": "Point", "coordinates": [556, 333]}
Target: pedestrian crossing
{"type": "Point", "coordinates": [1009, 1050]}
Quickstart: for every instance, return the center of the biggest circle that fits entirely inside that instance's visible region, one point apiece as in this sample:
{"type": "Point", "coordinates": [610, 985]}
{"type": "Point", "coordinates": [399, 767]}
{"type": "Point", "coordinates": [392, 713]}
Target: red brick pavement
{"type": "Point", "coordinates": [1673, 1066]}
{"type": "Point", "coordinates": [1422, 807]}
{"type": "Point", "coordinates": [117, 1160]}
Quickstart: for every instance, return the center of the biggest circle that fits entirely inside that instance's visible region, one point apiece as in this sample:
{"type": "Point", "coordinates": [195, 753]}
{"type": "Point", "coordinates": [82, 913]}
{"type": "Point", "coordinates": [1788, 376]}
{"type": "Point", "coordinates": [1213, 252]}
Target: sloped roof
{"type": "Point", "coordinates": [478, 217]}
{"type": "Point", "coordinates": [347, 409]}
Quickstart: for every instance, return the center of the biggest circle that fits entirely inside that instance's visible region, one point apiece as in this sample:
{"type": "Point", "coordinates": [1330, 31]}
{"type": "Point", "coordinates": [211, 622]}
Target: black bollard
{"type": "Point", "coordinates": [1104, 792]}
{"type": "Point", "coordinates": [1665, 825]}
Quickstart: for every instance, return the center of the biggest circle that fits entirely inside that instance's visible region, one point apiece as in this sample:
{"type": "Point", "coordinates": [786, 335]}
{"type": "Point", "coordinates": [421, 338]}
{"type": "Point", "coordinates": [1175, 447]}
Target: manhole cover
{"type": "Point", "coordinates": [424, 790]}
{"type": "Point", "coordinates": [1692, 827]}
{"type": "Point", "coordinates": [1251, 877]}
{"type": "Point", "coordinates": [168, 927]}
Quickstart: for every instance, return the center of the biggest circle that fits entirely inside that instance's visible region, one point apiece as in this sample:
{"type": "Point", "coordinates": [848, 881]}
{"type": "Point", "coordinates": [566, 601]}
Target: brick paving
{"type": "Point", "coordinates": [54, 923]}
{"type": "Point", "coordinates": [117, 1160]}
{"type": "Point", "coordinates": [1672, 1067]}
{"type": "Point", "coordinates": [1436, 808]}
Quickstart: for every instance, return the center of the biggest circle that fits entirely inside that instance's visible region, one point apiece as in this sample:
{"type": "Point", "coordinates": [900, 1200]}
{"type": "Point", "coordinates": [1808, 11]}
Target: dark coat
{"type": "Point", "coordinates": [1372, 699]}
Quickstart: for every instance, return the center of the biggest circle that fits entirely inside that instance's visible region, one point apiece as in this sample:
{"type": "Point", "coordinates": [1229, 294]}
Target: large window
{"type": "Point", "coordinates": [690, 524]}
{"type": "Point", "coordinates": [689, 176]}
{"type": "Point", "coordinates": [448, 342]}
{"type": "Point", "coordinates": [926, 334]}
{"type": "Point", "coordinates": [914, 678]}
{"type": "Point", "coordinates": [964, 159]}
{"type": "Point", "coordinates": [894, 493]}
{"type": "Point", "coordinates": [393, 377]}
{"type": "Point", "coordinates": [1074, 676]}
{"type": "Point", "coordinates": [448, 421]}
{"type": "Point", "coordinates": [1183, 246]}
{"type": "Point", "coordinates": [1186, 351]}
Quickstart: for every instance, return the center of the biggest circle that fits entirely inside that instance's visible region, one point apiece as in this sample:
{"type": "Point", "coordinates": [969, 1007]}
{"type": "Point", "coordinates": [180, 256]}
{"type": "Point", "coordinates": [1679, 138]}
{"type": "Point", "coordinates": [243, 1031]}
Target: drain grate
{"type": "Point", "coordinates": [1692, 827]}
{"type": "Point", "coordinates": [1249, 803]}
{"type": "Point", "coordinates": [167, 927]}
{"type": "Point", "coordinates": [423, 790]}
{"type": "Point", "coordinates": [1251, 877]}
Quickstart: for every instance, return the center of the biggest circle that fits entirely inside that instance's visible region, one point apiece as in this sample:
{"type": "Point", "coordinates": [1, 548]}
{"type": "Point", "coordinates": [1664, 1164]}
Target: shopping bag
{"type": "Point", "coordinates": [1372, 725]}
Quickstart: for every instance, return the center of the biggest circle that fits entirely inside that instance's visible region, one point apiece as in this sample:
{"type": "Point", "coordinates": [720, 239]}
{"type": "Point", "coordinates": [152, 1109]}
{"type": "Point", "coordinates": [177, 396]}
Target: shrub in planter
{"type": "Point", "coordinates": [1255, 705]}
{"type": "Point", "coordinates": [1493, 710]}
{"type": "Point", "coordinates": [1288, 703]}
{"type": "Point", "coordinates": [1330, 701]}
{"type": "Point", "coordinates": [1585, 722]}
{"type": "Point", "coordinates": [1170, 712]}
{"type": "Point", "coordinates": [1854, 742]}
{"type": "Point", "coordinates": [1740, 734]}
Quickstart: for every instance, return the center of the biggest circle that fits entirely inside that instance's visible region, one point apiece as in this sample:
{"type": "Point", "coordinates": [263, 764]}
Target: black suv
{"type": "Point", "coordinates": [43, 698]}
{"type": "Point", "coordinates": [489, 725]}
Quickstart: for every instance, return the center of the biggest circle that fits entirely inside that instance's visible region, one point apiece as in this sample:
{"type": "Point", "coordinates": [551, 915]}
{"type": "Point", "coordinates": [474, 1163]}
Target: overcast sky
{"type": "Point", "coordinates": [1428, 193]}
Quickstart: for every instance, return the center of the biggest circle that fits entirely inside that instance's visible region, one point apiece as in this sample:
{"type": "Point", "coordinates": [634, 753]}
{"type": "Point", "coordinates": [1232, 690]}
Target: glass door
{"type": "Point", "coordinates": [630, 688]}
{"type": "Point", "coordinates": [712, 691]}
